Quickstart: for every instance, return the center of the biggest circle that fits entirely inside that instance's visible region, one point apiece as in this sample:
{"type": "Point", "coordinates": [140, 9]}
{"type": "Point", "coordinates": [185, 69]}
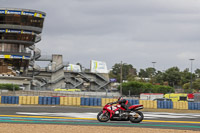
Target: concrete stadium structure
{"type": "Point", "coordinates": [55, 75]}
{"type": "Point", "coordinates": [20, 30]}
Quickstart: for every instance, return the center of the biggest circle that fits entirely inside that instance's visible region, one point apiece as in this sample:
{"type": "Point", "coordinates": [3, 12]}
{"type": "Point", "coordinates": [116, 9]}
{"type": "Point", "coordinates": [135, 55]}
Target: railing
{"type": "Point", "coordinates": [58, 93]}
{"type": "Point", "coordinates": [45, 58]}
{"type": "Point", "coordinates": [102, 86]}
{"type": "Point", "coordinates": [57, 80]}
{"type": "Point", "coordinates": [22, 37]}
{"type": "Point", "coordinates": [28, 53]}
{"type": "Point", "coordinates": [39, 25]}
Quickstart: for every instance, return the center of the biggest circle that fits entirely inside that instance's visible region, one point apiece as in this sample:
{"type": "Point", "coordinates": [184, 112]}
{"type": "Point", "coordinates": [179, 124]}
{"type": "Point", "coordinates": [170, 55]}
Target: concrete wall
{"type": "Point", "coordinates": [57, 77]}
{"type": "Point", "coordinates": [26, 82]}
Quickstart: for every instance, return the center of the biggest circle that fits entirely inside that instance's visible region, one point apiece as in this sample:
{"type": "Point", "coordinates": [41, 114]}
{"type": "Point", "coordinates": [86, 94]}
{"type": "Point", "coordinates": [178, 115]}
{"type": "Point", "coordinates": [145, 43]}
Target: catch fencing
{"type": "Point", "coordinates": [59, 93]}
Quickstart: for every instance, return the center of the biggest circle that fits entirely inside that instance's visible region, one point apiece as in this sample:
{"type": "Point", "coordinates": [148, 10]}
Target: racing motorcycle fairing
{"type": "Point", "coordinates": [118, 113]}
{"type": "Point", "coordinates": [136, 107]}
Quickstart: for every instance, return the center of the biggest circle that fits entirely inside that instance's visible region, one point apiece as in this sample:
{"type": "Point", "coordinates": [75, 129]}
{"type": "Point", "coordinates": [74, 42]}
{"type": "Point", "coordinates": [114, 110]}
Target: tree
{"type": "Point", "coordinates": [195, 86]}
{"type": "Point", "coordinates": [127, 71]}
{"type": "Point", "coordinates": [185, 76]}
{"type": "Point", "coordinates": [136, 88]}
{"type": "Point", "coordinates": [172, 76]}
{"type": "Point", "coordinates": [150, 71]}
{"type": "Point", "coordinates": [143, 73]}
{"type": "Point", "coordinates": [147, 73]}
{"type": "Point", "coordinates": [197, 72]}
{"type": "Point", "coordinates": [159, 78]}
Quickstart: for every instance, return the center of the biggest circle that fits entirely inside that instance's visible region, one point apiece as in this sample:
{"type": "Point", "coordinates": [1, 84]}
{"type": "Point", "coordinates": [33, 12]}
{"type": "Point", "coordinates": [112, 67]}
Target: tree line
{"type": "Point", "coordinates": [172, 77]}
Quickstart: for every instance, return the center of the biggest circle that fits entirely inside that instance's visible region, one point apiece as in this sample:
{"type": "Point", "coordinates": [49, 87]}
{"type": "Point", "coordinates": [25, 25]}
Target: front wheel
{"type": "Point", "coordinates": [103, 117]}
{"type": "Point", "coordinates": [137, 117]}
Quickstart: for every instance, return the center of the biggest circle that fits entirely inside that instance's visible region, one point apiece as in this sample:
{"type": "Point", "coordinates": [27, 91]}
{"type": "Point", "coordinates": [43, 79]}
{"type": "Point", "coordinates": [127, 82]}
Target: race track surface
{"type": "Point", "coordinates": [87, 116]}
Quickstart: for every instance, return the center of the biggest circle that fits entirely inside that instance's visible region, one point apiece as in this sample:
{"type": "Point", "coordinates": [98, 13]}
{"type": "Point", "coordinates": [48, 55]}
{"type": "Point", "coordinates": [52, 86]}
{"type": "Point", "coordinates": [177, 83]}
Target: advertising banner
{"type": "Point", "coordinates": [98, 67]}
{"type": "Point", "coordinates": [12, 12]}
{"type": "Point", "coordinates": [22, 13]}
{"type": "Point", "coordinates": [16, 31]}
{"type": "Point", "coordinates": [15, 57]}
{"type": "Point", "coordinates": [26, 57]}
{"type": "Point", "coordinates": [7, 56]}
{"type": "Point", "coordinates": [2, 30]}
{"type": "Point", "coordinates": [1, 56]}
{"type": "Point", "coordinates": [28, 13]}
{"type": "Point", "coordinates": [74, 68]}
{"type": "Point", "coordinates": [113, 80]}
{"type": "Point", "coordinates": [12, 31]}
{"type": "Point", "coordinates": [2, 11]}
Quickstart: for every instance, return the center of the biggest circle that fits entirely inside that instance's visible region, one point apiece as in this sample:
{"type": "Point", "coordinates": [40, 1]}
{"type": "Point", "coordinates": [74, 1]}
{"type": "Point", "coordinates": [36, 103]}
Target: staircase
{"type": "Point", "coordinates": [36, 55]}
{"type": "Point", "coordinates": [57, 68]}
{"type": "Point", "coordinates": [103, 83]}
{"type": "Point", "coordinates": [37, 38]}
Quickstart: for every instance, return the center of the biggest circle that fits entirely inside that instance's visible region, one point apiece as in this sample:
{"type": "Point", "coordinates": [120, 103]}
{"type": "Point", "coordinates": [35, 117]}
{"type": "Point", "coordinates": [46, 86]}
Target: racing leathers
{"type": "Point", "coordinates": [124, 104]}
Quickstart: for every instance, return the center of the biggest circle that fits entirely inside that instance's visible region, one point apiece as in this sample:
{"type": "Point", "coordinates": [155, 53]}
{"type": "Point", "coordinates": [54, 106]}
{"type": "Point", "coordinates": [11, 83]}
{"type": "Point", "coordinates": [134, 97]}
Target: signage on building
{"type": "Point", "coordinates": [98, 67]}
{"type": "Point", "coordinates": [27, 13]}
{"type": "Point", "coordinates": [16, 31]}
{"type": "Point", "coordinates": [22, 13]}
{"type": "Point", "coordinates": [74, 68]}
{"type": "Point", "coordinates": [12, 12]}
{"type": "Point", "coordinates": [113, 80]}
{"type": "Point", "coordinates": [14, 57]}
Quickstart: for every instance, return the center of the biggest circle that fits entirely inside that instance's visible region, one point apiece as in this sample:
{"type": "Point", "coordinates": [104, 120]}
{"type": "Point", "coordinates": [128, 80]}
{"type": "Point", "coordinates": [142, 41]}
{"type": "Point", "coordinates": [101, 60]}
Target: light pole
{"type": "Point", "coordinates": [121, 78]}
{"type": "Point", "coordinates": [153, 74]}
{"type": "Point", "coordinates": [191, 74]}
{"type": "Point", "coordinates": [153, 64]}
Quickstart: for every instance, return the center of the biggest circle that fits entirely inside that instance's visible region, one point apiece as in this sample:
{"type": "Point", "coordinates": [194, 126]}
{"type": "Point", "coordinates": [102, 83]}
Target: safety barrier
{"type": "Point", "coordinates": [49, 100]}
{"type": "Point", "coordinates": [9, 99]}
{"type": "Point", "coordinates": [193, 106]}
{"type": "Point", "coordinates": [70, 101]}
{"type": "Point", "coordinates": [133, 101]}
{"type": "Point", "coordinates": [85, 101]}
{"type": "Point", "coordinates": [148, 104]}
{"type": "Point", "coordinates": [164, 104]}
{"type": "Point", "coordinates": [104, 101]}
{"type": "Point", "coordinates": [91, 101]}
{"type": "Point", "coordinates": [28, 100]}
{"type": "Point", "coordinates": [180, 105]}
{"type": "Point", "coordinates": [109, 100]}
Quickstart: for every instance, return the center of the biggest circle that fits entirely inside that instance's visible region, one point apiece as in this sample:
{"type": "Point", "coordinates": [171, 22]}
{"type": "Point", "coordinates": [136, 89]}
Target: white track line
{"type": "Point", "coordinates": [94, 115]}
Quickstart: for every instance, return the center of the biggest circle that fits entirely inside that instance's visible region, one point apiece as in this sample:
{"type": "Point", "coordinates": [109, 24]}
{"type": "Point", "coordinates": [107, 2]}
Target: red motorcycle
{"type": "Point", "coordinates": [117, 113]}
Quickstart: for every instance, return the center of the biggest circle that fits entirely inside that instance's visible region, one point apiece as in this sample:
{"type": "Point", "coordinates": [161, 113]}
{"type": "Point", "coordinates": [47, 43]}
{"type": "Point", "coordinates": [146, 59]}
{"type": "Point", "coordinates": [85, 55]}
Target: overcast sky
{"type": "Point", "coordinates": [137, 32]}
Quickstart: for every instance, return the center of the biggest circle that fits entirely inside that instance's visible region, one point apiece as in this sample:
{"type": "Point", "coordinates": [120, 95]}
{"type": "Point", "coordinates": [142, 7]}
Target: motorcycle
{"type": "Point", "coordinates": [117, 113]}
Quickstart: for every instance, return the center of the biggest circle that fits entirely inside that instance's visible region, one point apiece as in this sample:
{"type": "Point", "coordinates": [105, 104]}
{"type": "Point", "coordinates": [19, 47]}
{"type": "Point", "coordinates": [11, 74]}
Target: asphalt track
{"type": "Point", "coordinates": [87, 116]}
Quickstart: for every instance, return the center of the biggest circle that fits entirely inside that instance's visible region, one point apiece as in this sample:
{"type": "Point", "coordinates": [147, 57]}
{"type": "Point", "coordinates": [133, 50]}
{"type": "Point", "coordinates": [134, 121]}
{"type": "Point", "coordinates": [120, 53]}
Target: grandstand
{"type": "Point", "coordinates": [20, 30]}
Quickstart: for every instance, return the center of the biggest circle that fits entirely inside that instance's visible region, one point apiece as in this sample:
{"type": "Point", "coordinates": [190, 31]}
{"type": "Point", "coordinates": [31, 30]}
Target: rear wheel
{"type": "Point", "coordinates": [103, 117]}
{"type": "Point", "coordinates": [137, 117]}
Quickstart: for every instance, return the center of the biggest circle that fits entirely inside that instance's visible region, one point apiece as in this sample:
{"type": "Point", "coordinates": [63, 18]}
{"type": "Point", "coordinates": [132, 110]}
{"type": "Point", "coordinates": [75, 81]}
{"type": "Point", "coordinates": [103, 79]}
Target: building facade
{"type": "Point", "coordinates": [20, 29]}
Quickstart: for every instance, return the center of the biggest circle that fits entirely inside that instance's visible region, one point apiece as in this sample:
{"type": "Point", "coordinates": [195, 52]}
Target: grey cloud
{"type": "Point", "coordinates": [133, 31]}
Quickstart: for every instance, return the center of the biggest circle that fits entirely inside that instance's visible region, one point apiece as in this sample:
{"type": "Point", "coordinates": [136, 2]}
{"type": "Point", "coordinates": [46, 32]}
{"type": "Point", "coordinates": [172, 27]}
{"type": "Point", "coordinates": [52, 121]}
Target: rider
{"type": "Point", "coordinates": [123, 102]}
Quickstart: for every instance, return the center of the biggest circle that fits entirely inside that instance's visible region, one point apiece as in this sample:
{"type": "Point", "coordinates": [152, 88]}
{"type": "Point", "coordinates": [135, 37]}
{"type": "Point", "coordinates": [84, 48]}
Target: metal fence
{"type": "Point", "coordinates": [58, 93]}
{"type": "Point", "coordinates": [197, 97]}
{"type": "Point", "coordinates": [65, 94]}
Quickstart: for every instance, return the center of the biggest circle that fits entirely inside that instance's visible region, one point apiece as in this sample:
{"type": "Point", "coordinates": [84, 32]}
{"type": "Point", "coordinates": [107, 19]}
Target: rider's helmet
{"type": "Point", "coordinates": [120, 98]}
